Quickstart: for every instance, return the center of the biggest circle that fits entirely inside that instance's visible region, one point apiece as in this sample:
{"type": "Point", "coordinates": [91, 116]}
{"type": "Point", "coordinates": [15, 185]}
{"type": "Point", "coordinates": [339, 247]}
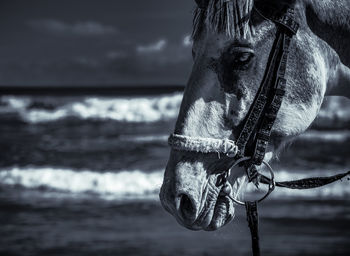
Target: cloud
{"type": "Point", "coordinates": [187, 41]}
{"type": "Point", "coordinates": [116, 55]}
{"type": "Point", "coordinates": [87, 28]}
{"type": "Point", "coordinates": [151, 48]}
{"type": "Point", "coordinates": [163, 61]}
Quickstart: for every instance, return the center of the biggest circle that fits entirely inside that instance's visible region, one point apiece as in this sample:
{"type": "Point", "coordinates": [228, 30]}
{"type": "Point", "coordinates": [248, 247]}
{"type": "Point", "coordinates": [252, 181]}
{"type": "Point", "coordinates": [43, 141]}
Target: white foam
{"type": "Point", "coordinates": [145, 138]}
{"type": "Point", "coordinates": [326, 136]}
{"type": "Point", "coordinates": [138, 109]}
{"type": "Point", "coordinates": [335, 112]}
{"type": "Point", "coordinates": [336, 108]}
{"type": "Point", "coordinates": [121, 185]}
{"type": "Point", "coordinates": [139, 185]}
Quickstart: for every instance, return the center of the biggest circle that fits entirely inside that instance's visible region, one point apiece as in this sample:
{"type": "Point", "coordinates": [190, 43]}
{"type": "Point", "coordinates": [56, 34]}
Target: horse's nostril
{"type": "Point", "coordinates": [187, 209]}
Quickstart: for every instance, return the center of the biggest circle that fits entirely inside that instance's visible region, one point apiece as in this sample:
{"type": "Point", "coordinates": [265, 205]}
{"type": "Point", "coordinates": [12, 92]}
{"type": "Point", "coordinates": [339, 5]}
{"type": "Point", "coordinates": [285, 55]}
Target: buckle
{"type": "Point", "coordinates": [288, 22]}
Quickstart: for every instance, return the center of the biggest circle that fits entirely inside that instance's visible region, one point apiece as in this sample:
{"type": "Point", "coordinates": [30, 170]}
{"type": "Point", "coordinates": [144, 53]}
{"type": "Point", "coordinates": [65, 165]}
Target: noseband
{"type": "Point", "coordinates": [250, 147]}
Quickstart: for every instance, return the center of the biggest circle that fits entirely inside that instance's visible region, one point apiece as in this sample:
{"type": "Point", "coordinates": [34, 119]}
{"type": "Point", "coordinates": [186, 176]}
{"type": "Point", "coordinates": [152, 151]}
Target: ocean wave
{"type": "Point", "coordinates": [334, 114]}
{"type": "Point", "coordinates": [337, 136]}
{"type": "Point", "coordinates": [121, 185]}
{"type": "Point", "coordinates": [136, 109]}
{"type": "Point", "coordinates": [139, 185]}
{"type": "Point", "coordinates": [325, 136]}
{"type": "Point", "coordinates": [163, 138]}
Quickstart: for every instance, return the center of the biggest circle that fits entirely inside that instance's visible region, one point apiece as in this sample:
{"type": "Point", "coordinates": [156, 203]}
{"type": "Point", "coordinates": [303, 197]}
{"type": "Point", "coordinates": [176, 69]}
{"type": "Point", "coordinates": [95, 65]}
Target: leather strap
{"type": "Point", "coordinates": [273, 78]}
{"type": "Point", "coordinates": [308, 183]}
{"type": "Point", "coordinates": [252, 207]}
{"type": "Point", "coordinates": [287, 21]}
{"type": "Point", "coordinates": [253, 223]}
{"type": "Point", "coordinates": [262, 114]}
{"type": "Point", "coordinates": [287, 28]}
{"type": "Point", "coordinates": [278, 84]}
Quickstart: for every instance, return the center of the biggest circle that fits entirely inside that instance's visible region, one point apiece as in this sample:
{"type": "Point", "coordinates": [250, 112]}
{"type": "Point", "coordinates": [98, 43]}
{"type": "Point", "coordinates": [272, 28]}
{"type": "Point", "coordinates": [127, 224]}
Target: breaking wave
{"type": "Point", "coordinates": [136, 109]}
{"type": "Point", "coordinates": [136, 184]}
{"type": "Point", "coordinates": [121, 185]}
{"type": "Point", "coordinates": [335, 113]}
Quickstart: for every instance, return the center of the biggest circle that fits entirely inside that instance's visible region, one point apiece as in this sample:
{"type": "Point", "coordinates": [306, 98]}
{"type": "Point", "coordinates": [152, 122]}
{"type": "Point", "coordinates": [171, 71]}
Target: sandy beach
{"type": "Point", "coordinates": [90, 227]}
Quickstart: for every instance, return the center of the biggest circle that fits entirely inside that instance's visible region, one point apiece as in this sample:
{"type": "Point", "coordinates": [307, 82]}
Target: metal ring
{"type": "Point", "coordinates": [272, 184]}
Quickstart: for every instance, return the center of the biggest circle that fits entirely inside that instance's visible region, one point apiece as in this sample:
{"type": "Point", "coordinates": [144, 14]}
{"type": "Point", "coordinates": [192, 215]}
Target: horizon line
{"type": "Point", "coordinates": [90, 90]}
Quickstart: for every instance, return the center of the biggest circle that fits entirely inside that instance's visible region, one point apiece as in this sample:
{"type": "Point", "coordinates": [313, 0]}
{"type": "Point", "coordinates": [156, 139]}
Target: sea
{"type": "Point", "coordinates": [80, 175]}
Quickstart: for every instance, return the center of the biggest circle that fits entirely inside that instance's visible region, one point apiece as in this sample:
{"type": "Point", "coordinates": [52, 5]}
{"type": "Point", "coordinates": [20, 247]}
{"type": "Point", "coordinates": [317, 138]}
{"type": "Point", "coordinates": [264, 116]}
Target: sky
{"type": "Point", "coordinates": [95, 42]}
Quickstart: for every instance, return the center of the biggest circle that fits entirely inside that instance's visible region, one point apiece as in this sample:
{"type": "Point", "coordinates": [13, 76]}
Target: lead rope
{"type": "Point", "coordinates": [287, 27]}
{"type": "Point", "coordinates": [253, 223]}
{"type": "Point", "coordinates": [263, 113]}
{"type": "Point", "coordinates": [252, 207]}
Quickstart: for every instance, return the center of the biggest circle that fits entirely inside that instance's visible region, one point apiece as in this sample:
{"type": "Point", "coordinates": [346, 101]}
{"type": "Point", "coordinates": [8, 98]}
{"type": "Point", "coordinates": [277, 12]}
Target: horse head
{"type": "Point", "coordinates": [232, 41]}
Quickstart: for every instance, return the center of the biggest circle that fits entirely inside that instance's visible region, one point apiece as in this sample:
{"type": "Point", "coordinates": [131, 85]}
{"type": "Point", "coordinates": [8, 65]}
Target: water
{"type": "Point", "coordinates": [80, 175]}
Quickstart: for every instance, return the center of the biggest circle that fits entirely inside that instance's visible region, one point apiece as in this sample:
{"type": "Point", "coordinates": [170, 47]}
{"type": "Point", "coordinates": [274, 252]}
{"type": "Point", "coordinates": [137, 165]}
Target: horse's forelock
{"type": "Point", "coordinates": [230, 17]}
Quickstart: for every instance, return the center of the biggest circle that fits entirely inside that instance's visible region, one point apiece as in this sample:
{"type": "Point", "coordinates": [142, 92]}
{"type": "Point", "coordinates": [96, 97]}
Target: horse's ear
{"type": "Point", "coordinates": [202, 3]}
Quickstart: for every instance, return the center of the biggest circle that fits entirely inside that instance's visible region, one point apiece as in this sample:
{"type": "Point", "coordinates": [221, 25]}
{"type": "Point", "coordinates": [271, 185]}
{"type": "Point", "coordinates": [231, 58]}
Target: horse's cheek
{"type": "Point", "coordinates": [306, 86]}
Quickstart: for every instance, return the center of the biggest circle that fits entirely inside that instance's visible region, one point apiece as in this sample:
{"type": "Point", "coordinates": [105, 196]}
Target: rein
{"type": "Point", "coordinates": [250, 148]}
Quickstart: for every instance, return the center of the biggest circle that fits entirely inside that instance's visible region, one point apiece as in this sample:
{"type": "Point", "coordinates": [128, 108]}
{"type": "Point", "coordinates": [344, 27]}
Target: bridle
{"type": "Point", "coordinates": [250, 147]}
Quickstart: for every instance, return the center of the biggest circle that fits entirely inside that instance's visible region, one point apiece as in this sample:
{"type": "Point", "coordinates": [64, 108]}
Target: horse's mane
{"type": "Point", "coordinates": [332, 12]}
{"type": "Point", "coordinates": [230, 17]}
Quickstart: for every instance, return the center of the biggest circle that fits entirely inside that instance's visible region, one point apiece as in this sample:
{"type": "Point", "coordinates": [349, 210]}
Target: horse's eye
{"type": "Point", "coordinates": [243, 58]}
{"type": "Point", "coordinates": [237, 59]}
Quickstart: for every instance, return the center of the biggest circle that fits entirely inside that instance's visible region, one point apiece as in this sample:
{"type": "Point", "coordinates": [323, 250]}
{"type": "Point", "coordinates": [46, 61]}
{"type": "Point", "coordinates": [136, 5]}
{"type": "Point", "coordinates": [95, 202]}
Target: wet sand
{"type": "Point", "coordinates": [93, 227]}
